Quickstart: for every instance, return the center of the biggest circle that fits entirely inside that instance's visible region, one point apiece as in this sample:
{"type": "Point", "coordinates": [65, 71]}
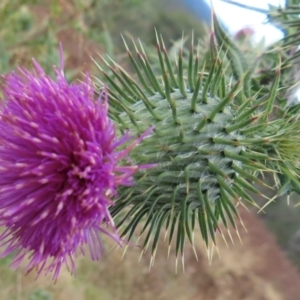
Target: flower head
{"type": "Point", "coordinates": [60, 167]}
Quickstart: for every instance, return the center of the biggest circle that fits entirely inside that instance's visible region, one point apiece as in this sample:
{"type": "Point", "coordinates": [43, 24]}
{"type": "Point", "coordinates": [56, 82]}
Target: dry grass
{"type": "Point", "coordinates": [256, 270]}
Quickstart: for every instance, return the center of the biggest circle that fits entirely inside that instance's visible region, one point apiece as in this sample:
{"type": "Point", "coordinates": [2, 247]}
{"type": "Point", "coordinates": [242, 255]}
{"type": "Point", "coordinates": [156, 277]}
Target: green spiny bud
{"type": "Point", "coordinates": [213, 136]}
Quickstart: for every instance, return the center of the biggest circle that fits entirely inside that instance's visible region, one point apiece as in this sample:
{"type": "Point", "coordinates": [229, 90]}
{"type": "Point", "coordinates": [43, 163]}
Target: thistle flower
{"type": "Point", "coordinates": [61, 165]}
{"type": "Point", "coordinates": [215, 132]}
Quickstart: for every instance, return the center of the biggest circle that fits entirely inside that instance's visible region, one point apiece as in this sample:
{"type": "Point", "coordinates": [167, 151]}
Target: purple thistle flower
{"type": "Point", "coordinates": [60, 168]}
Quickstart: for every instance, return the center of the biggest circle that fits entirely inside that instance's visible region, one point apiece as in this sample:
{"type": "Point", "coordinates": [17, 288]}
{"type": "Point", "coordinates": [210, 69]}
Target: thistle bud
{"type": "Point", "coordinates": [213, 136]}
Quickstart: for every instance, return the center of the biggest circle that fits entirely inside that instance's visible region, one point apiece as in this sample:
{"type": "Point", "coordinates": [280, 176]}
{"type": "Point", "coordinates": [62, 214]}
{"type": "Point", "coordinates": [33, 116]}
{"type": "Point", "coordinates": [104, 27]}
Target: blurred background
{"type": "Point", "coordinates": [266, 266]}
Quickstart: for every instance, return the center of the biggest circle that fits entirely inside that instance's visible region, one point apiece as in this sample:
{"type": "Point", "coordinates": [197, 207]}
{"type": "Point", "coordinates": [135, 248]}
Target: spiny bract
{"type": "Point", "coordinates": [213, 136]}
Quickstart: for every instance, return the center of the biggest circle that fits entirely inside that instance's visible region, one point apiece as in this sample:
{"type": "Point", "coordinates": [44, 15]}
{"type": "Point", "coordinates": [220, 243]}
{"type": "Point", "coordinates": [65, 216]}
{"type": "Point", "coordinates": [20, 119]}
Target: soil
{"type": "Point", "coordinates": [256, 269]}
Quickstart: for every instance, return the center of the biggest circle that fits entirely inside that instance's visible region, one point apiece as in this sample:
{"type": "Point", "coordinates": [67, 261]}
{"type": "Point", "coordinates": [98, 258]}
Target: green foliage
{"type": "Point", "coordinates": [19, 35]}
{"type": "Point", "coordinates": [5, 261]}
{"type": "Point", "coordinates": [39, 294]}
{"type": "Point", "coordinates": [109, 17]}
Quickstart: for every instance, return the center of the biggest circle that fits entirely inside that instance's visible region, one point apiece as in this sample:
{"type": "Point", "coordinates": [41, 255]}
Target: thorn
{"type": "Point", "coordinates": [125, 44]}
{"type": "Point", "coordinates": [141, 255]}
{"type": "Point", "coordinates": [169, 249]}
{"type": "Point", "coordinates": [152, 260]}
{"type": "Point", "coordinates": [238, 234]}
{"type": "Point", "coordinates": [210, 258]}
{"type": "Point", "coordinates": [135, 46]}
{"type": "Point", "coordinates": [207, 253]}
{"type": "Point", "coordinates": [163, 44]}
{"type": "Point", "coordinates": [98, 66]}
{"type": "Point", "coordinates": [137, 238]}
{"type": "Point", "coordinates": [228, 231]}
{"type": "Point", "coordinates": [124, 252]}
{"type": "Point", "coordinates": [97, 79]}
{"type": "Point", "coordinates": [264, 206]}
{"type": "Point", "coordinates": [112, 61]}
{"type": "Point", "coordinates": [243, 225]}
{"type": "Point", "coordinates": [224, 239]}
{"type": "Point", "coordinates": [219, 255]}
{"type": "Point", "coordinates": [157, 40]}
{"type": "Point", "coordinates": [142, 48]}
{"type": "Point", "coordinates": [114, 248]}
{"type": "Point", "coordinates": [193, 245]}
{"type": "Point", "coordinates": [298, 204]}
{"type": "Point", "coordinates": [195, 252]}
{"type": "Point", "coordinates": [104, 60]}
{"type": "Point", "coordinates": [165, 237]}
{"type": "Point", "coordinates": [239, 202]}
